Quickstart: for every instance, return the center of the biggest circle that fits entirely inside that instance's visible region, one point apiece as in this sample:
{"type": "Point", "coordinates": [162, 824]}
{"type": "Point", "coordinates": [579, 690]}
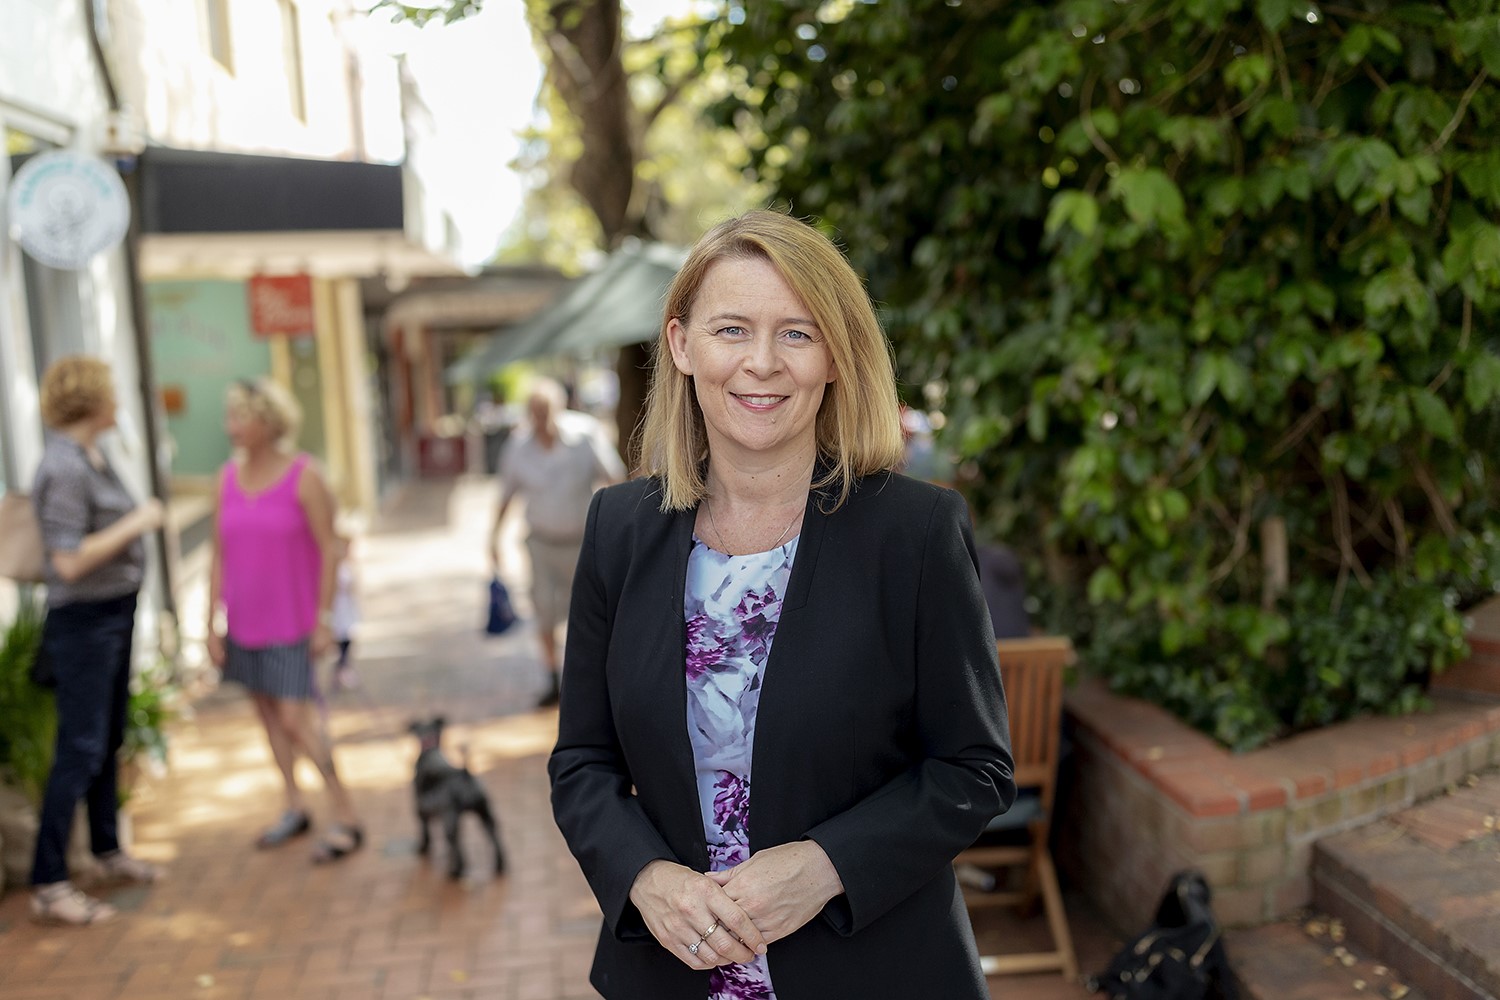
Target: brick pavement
{"type": "Point", "coordinates": [233, 922]}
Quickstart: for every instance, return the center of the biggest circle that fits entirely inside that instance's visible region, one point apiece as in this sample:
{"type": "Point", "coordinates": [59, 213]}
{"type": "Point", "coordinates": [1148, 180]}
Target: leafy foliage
{"type": "Point", "coordinates": [28, 721]}
{"type": "Point", "coordinates": [28, 715]}
{"type": "Point", "coordinates": [1206, 288]}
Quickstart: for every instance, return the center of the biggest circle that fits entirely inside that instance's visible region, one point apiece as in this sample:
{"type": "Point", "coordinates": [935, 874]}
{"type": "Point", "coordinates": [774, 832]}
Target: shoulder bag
{"type": "Point", "coordinates": [20, 539]}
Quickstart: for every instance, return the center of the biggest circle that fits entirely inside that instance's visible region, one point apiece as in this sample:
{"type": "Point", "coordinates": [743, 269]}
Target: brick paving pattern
{"type": "Point", "coordinates": [229, 921]}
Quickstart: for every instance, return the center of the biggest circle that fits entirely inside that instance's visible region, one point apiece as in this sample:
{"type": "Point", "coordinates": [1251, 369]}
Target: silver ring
{"type": "Point", "coordinates": [711, 928]}
{"type": "Point", "coordinates": [693, 948]}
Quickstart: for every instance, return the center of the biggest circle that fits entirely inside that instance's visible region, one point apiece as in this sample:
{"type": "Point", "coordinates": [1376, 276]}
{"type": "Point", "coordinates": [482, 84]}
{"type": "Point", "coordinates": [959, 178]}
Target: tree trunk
{"type": "Point", "coordinates": [633, 366]}
{"type": "Point", "coordinates": [585, 40]}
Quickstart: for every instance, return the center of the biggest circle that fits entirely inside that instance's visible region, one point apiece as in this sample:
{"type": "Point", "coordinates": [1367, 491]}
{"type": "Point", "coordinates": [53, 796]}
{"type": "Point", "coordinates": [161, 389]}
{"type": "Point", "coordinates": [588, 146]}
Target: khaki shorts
{"type": "Point", "coordinates": [552, 566]}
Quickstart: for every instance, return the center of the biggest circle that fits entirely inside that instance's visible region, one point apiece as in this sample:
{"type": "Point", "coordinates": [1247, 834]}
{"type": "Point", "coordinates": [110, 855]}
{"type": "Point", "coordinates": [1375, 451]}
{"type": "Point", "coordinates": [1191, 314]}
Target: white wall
{"type": "Point", "coordinates": [50, 88]}
{"type": "Point", "coordinates": [45, 65]}
{"type": "Point", "coordinates": [185, 98]}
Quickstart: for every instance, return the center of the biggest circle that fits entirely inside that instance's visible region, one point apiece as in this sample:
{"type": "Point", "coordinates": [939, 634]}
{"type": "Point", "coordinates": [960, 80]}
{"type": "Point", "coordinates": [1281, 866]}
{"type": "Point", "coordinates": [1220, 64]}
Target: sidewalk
{"type": "Point", "coordinates": [230, 921]}
{"type": "Point", "coordinates": [233, 922]}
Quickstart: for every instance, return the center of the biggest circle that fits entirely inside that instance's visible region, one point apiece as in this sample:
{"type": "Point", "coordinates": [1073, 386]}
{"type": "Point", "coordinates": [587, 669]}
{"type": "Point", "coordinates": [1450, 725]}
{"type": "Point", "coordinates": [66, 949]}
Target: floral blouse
{"type": "Point", "coordinates": [732, 606]}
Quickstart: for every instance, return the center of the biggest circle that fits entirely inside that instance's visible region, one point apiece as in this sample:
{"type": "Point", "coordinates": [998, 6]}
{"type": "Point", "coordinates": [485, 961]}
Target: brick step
{"type": "Point", "coordinates": [1420, 890]}
{"type": "Point", "coordinates": [1307, 959]}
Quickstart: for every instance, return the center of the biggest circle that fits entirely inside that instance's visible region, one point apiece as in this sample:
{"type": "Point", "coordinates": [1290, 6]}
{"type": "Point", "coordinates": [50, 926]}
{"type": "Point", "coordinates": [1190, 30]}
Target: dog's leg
{"type": "Point", "coordinates": [455, 852]}
{"type": "Point", "coordinates": [425, 842]}
{"type": "Point", "coordinates": [482, 810]}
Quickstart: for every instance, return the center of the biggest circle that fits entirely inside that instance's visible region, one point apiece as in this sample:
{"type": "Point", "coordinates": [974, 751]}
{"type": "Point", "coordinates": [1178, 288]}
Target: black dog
{"type": "Point", "coordinates": [447, 792]}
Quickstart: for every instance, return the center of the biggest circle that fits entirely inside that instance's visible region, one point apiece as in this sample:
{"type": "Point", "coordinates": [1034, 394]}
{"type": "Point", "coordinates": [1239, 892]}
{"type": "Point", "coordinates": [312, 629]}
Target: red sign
{"type": "Point", "coordinates": [281, 305]}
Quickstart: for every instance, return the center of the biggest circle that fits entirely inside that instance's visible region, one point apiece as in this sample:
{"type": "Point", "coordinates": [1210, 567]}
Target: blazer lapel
{"type": "Point", "coordinates": [784, 683]}
{"type": "Point", "coordinates": [665, 662]}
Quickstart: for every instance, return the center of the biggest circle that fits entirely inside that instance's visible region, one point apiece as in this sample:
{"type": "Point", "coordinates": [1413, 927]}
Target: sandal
{"type": "Point", "coordinates": [293, 823]}
{"type": "Point", "coordinates": [121, 867]}
{"type": "Point", "coordinates": [343, 840]}
{"type": "Point", "coordinates": [64, 906]}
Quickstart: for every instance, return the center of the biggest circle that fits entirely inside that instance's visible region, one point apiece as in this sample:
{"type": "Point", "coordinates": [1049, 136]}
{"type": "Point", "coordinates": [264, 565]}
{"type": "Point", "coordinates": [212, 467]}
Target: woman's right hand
{"type": "Point", "coordinates": [679, 904]}
{"type": "Point", "coordinates": [216, 649]}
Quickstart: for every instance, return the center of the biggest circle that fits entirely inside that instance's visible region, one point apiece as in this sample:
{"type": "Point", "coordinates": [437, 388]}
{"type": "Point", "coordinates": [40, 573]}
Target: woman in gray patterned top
{"type": "Point", "coordinates": [92, 530]}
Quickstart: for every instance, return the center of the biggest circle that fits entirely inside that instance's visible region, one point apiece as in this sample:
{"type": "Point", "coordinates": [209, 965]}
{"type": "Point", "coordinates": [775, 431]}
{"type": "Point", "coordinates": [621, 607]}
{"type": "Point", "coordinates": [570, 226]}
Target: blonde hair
{"type": "Point", "coordinates": [266, 400]}
{"type": "Point", "coordinates": [858, 424]}
{"type": "Point", "coordinates": [74, 388]}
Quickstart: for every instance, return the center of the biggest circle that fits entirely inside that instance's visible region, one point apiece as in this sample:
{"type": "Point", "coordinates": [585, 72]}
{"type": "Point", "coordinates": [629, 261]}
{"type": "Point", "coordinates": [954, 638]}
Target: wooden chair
{"type": "Point", "coordinates": [1032, 672]}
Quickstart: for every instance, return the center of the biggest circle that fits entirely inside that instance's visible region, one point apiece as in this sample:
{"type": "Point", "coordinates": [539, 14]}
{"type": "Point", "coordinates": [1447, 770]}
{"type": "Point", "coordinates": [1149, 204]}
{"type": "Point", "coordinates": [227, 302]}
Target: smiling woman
{"type": "Point", "coordinates": [759, 365]}
{"type": "Point", "coordinates": [800, 570]}
{"type": "Point", "coordinates": [788, 277]}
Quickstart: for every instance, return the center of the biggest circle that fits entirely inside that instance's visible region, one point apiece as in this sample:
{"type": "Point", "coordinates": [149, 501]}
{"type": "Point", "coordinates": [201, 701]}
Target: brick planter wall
{"type": "Point", "coordinates": [1150, 796]}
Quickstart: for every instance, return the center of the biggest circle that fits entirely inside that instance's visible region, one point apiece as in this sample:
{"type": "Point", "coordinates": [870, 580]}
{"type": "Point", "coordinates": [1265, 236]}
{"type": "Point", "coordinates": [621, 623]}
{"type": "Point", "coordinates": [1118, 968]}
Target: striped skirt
{"type": "Point", "coordinates": [277, 671]}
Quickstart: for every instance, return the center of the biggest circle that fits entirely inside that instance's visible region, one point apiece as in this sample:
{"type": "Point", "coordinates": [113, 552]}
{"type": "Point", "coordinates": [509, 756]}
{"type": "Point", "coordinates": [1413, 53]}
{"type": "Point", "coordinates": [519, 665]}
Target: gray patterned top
{"type": "Point", "coordinates": [73, 499]}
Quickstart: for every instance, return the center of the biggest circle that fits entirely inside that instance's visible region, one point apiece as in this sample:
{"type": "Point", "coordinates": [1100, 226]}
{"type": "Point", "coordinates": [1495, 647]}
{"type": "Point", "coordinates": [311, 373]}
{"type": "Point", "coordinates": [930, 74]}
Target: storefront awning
{"type": "Point", "coordinates": [214, 214]}
{"type": "Point", "coordinates": [620, 303]}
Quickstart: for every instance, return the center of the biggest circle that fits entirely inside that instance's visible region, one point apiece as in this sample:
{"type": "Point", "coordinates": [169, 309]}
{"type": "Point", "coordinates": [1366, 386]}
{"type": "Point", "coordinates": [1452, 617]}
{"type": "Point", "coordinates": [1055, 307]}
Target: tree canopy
{"type": "Point", "coordinates": [621, 148]}
{"type": "Point", "coordinates": [1207, 290]}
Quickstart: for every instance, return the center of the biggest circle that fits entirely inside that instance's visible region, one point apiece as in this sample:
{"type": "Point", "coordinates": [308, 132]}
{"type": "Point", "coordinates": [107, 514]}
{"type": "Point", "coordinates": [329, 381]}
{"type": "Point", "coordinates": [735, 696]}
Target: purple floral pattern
{"type": "Point", "coordinates": [732, 607]}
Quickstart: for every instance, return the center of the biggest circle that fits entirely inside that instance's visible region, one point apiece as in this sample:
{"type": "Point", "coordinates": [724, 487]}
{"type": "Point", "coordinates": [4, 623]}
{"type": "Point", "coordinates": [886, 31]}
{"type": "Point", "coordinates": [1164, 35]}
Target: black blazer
{"type": "Point", "coordinates": [881, 735]}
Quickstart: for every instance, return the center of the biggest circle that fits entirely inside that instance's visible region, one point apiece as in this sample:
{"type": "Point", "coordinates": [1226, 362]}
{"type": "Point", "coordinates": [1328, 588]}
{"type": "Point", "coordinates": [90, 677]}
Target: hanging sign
{"type": "Point", "coordinates": [66, 207]}
{"type": "Point", "coordinates": [281, 305]}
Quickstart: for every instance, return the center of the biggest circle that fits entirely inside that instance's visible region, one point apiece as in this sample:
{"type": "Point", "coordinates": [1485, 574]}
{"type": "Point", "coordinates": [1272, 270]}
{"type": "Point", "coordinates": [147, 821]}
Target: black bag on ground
{"type": "Point", "coordinates": [502, 615]}
{"type": "Point", "coordinates": [1179, 957]}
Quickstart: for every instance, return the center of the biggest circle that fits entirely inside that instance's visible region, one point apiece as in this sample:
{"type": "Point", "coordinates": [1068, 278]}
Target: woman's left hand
{"type": "Point", "coordinates": [321, 642]}
{"type": "Point", "coordinates": [782, 888]}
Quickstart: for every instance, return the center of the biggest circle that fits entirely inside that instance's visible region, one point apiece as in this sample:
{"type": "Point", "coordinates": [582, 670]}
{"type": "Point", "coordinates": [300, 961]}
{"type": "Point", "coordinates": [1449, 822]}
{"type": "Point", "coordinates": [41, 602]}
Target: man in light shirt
{"type": "Point", "coordinates": [554, 466]}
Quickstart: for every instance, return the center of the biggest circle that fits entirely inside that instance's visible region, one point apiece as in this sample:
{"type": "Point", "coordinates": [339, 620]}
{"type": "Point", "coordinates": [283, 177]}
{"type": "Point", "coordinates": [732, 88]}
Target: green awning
{"type": "Point", "coordinates": [620, 303]}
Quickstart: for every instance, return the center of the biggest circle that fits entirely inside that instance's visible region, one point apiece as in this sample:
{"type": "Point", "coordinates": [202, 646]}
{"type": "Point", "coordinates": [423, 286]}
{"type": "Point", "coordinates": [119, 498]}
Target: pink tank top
{"type": "Point", "coordinates": [271, 563]}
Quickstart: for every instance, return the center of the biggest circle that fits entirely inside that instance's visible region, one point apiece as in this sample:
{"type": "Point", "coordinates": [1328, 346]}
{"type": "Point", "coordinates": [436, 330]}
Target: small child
{"type": "Point", "coordinates": [345, 614]}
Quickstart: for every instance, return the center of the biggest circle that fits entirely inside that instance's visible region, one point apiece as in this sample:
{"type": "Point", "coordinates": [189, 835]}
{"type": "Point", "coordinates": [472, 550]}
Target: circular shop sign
{"type": "Point", "coordinates": [65, 207]}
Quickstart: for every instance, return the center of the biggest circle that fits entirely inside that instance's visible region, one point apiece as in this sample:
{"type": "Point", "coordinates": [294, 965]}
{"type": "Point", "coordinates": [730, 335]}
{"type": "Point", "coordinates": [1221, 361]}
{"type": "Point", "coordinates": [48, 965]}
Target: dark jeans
{"type": "Point", "coordinates": [89, 645]}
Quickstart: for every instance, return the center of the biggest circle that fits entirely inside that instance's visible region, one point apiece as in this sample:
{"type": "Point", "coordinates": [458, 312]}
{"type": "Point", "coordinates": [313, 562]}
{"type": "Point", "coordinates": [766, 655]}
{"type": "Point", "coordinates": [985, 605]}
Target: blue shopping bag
{"type": "Point", "coordinates": [502, 613]}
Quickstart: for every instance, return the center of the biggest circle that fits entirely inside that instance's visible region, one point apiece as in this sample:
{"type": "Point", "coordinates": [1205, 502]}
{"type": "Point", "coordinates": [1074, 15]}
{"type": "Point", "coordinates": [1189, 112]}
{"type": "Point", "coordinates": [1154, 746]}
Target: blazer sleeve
{"type": "Point", "coordinates": [901, 836]}
{"type": "Point", "coordinates": [593, 795]}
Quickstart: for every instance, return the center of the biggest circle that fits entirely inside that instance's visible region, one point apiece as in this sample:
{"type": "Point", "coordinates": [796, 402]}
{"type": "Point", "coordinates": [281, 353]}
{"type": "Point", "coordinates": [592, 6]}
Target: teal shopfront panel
{"type": "Point", "coordinates": [200, 342]}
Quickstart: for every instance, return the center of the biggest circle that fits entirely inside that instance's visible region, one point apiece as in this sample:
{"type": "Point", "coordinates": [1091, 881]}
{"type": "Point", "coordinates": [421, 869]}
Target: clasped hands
{"type": "Point", "coordinates": [729, 917]}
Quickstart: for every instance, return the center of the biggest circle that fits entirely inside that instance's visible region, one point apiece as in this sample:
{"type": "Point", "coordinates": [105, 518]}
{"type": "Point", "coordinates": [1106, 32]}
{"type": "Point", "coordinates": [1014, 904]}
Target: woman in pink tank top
{"type": "Point", "coordinates": [273, 577]}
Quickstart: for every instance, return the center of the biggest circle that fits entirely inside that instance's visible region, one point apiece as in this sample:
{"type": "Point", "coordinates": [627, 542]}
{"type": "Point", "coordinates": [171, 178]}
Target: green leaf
{"type": "Point", "coordinates": [1036, 420]}
{"type": "Point", "coordinates": [1277, 112]}
{"type": "Point", "coordinates": [1274, 13]}
{"type": "Point", "coordinates": [1299, 181]}
{"type": "Point", "coordinates": [1320, 300]}
{"type": "Point", "coordinates": [1416, 206]}
{"type": "Point", "coordinates": [1105, 585]}
{"type": "Point", "coordinates": [1234, 380]}
{"type": "Point", "coordinates": [1356, 44]}
{"type": "Point", "coordinates": [1393, 287]}
{"type": "Point", "coordinates": [1106, 122]}
{"type": "Point", "coordinates": [1482, 380]}
{"type": "Point", "coordinates": [1434, 415]}
{"type": "Point", "coordinates": [1248, 72]}
{"type": "Point", "coordinates": [1203, 380]}
{"type": "Point", "coordinates": [1355, 348]}
{"type": "Point", "coordinates": [1174, 636]}
{"type": "Point", "coordinates": [1150, 197]}
{"type": "Point", "coordinates": [1075, 208]}
{"type": "Point", "coordinates": [1175, 502]}
{"type": "Point", "coordinates": [1223, 196]}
